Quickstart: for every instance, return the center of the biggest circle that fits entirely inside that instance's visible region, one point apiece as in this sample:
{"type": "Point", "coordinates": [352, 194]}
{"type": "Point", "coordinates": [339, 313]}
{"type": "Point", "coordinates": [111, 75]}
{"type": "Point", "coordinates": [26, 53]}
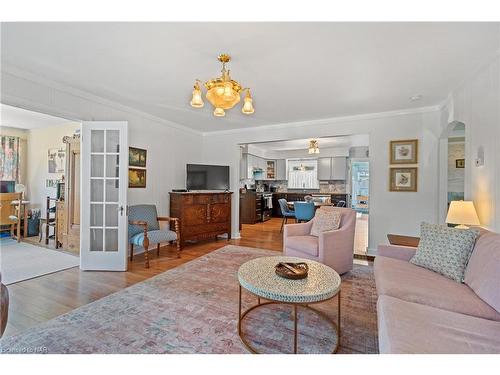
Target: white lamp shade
{"type": "Point", "coordinates": [463, 213]}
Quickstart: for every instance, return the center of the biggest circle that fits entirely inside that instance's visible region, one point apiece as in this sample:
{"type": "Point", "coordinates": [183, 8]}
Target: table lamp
{"type": "Point", "coordinates": [462, 213]}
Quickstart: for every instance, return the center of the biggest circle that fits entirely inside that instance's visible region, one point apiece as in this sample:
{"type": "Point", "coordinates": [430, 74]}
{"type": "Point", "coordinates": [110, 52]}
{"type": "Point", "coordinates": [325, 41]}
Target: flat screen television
{"type": "Point", "coordinates": [207, 177]}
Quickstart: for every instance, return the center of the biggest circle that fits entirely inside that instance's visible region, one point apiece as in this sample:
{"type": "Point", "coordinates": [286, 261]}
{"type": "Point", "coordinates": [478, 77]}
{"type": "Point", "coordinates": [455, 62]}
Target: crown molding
{"type": "Point", "coordinates": [22, 74]}
{"type": "Point", "coordinates": [332, 120]}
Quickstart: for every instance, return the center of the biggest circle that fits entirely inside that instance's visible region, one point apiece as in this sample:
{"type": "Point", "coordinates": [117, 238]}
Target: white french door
{"type": "Point", "coordinates": [104, 183]}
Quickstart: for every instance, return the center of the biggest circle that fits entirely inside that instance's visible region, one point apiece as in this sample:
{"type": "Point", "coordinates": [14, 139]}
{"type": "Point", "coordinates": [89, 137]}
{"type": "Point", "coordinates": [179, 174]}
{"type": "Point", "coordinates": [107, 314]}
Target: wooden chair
{"type": "Point", "coordinates": [8, 212]}
{"type": "Point", "coordinates": [49, 221]}
{"type": "Point", "coordinates": [144, 230]}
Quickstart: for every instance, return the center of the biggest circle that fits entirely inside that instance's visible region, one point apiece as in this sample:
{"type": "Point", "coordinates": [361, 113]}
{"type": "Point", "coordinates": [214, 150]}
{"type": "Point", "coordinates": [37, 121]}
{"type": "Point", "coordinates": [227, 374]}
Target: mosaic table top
{"type": "Point", "coordinates": [258, 277]}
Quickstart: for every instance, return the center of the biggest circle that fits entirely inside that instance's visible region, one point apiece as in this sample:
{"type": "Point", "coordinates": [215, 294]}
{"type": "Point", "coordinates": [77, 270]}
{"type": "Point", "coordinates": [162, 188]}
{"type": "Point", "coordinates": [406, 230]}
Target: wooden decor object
{"type": "Point", "coordinates": [294, 271]}
{"type": "Point", "coordinates": [202, 215]}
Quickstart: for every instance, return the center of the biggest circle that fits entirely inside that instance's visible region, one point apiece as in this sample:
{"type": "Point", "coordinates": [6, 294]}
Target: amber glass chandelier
{"type": "Point", "coordinates": [222, 92]}
{"type": "Point", "coordinates": [313, 146]}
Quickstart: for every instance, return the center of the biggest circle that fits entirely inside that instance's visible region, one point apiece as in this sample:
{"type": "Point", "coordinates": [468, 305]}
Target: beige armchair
{"type": "Point", "coordinates": [334, 248]}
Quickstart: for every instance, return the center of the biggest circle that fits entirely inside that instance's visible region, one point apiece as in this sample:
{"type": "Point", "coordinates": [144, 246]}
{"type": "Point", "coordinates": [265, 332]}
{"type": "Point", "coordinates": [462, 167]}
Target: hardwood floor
{"type": "Point", "coordinates": [43, 298]}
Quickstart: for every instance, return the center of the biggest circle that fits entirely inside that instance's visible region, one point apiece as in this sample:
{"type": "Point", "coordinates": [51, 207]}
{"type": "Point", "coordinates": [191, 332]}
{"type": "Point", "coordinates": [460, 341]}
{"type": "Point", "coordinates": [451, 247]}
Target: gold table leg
{"type": "Point", "coordinates": [295, 329]}
{"type": "Point", "coordinates": [241, 316]}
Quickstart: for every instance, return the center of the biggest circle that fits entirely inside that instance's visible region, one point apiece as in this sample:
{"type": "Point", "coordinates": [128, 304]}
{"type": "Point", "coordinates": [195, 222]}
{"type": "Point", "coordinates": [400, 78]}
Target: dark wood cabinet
{"type": "Point", "coordinates": [250, 207]}
{"type": "Point", "coordinates": [202, 215]}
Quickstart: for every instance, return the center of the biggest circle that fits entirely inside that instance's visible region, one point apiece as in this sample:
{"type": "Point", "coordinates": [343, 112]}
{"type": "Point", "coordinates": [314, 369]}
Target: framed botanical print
{"type": "Point", "coordinates": [404, 152]}
{"type": "Point", "coordinates": [137, 157]}
{"type": "Point", "coordinates": [459, 163]}
{"type": "Point", "coordinates": [136, 178]}
{"type": "Point", "coordinates": [403, 179]}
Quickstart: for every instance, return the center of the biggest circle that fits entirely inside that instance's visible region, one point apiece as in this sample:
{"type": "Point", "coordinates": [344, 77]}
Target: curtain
{"type": "Point", "coordinates": [9, 158]}
{"type": "Point", "coordinates": [303, 174]}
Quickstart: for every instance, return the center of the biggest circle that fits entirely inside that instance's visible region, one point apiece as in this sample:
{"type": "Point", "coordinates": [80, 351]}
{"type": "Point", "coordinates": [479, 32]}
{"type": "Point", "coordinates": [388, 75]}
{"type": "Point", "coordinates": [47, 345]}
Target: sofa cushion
{"type": "Point", "coordinates": [445, 250]}
{"type": "Point", "coordinates": [483, 271]}
{"type": "Point", "coordinates": [401, 279]}
{"type": "Point", "coordinates": [325, 220]}
{"type": "Point", "coordinates": [304, 244]}
{"type": "Point", "coordinates": [406, 327]}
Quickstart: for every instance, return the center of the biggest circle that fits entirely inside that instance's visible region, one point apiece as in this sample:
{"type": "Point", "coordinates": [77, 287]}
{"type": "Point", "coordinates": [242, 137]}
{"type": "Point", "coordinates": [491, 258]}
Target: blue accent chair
{"type": "Point", "coordinates": [285, 211]}
{"type": "Point", "coordinates": [144, 230]}
{"type": "Point", "coordinates": [304, 211]}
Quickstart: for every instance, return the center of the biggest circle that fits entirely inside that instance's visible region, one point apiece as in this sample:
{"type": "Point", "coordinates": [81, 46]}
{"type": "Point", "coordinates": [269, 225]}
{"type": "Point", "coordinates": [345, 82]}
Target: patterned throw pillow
{"type": "Point", "coordinates": [445, 250]}
{"type": "Point", "coordinates": [325, 220]}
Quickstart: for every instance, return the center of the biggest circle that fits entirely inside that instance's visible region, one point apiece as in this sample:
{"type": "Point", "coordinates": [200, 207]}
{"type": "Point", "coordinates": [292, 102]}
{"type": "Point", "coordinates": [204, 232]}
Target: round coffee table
{"type": "Point", "coordinates": [257, 276]}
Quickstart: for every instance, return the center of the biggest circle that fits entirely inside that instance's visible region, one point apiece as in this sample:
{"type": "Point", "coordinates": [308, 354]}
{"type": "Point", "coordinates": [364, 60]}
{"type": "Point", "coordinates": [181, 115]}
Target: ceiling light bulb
{"type": "Point", "coordinates": [220, 90]}
{"type": "Point", "coordinates": [248, 105]}
{"type": "Point", "coordinates": [197, 101]}
{"type": "Point", "coordinates": [219, 112]}
{"type": "Point", "coordinates": [228, 90]}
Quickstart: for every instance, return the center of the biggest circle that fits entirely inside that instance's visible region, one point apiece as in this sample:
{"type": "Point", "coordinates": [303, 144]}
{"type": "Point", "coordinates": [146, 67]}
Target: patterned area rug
{"type": "Point", "coordinates": [193, 309]}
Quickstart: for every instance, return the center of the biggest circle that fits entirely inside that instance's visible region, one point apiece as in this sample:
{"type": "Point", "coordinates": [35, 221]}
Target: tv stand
{"type": "Point", "coordinates": [203, 215]}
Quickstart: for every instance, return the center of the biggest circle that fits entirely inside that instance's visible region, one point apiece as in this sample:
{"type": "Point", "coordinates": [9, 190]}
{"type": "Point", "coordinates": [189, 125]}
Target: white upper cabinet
{"type": "Point", "coordinates": [339, 168]}
{"type": "Point", "coordinates": [332, 168]}
{"type": "Point", "coordinates": [324, 169]}
{"type": "Point", "coordinates": [281, 169]}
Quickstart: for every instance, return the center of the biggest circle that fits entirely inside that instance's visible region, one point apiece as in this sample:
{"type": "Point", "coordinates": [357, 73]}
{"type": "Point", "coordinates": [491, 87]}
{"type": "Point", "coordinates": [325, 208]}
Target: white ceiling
{"type": "Point", "coordinates": [297, 71]}
{"type": "Point", "coordinates": [20, 118]}
{"type": "Point", "coordinates": [326, 142]}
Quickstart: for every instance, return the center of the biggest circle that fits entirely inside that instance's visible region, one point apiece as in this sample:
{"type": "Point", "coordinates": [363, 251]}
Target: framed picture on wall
{"type": "Point", "coordinates": [56, 160]}
{"type": "Point", "coordinates": [403, 179]}
{"type": "Point", "coordinates": [136, 178]}
{"type": "Point", "coordinates": [404, 152]}
{"type": "Point", "coordinates": [137, 157]}
{"type": "Point", "coordinates": [459, 163]}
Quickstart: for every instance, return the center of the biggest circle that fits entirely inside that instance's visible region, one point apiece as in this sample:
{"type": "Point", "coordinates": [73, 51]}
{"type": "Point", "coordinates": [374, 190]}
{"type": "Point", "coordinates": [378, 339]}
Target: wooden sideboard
{"type": "Point", "coordinates": [202, 215]}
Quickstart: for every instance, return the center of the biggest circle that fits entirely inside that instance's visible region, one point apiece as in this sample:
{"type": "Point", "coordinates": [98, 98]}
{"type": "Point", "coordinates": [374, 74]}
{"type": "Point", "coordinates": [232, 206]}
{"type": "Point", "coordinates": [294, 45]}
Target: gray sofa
{"type": "Point", "coordinates": [420, 311]}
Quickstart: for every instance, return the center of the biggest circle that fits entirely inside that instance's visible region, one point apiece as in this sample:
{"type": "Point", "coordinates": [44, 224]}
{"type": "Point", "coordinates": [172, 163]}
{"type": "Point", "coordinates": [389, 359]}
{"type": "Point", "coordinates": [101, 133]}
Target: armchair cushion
{"type": "Point", "coordinates": [154, 236]}
{"type": "Point", "coordinates": [325, 220]}
{"type": "Point", "coordinates": [142, 212]}
{"type": "Point", "coordinates": [304, 244]}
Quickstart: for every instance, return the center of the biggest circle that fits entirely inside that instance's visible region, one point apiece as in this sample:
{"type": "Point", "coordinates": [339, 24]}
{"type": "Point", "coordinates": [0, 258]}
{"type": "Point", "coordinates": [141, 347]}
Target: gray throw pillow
{"type": "Point", "coordinates": [445, 250]}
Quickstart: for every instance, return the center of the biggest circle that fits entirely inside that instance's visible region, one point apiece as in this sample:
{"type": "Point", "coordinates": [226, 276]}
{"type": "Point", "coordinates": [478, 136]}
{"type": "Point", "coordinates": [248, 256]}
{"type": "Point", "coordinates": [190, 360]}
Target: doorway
{"type": "Point", "coordinates": [360, 198]}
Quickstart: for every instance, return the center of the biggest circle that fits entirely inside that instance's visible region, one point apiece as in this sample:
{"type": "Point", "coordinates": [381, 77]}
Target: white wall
{"type": "Point", "coordinates": [456, 176]}
{"type": "Point", "coordinates": [169, 145]}
{"type": "Point", "coordinates": [39, 142]}
{"type": "Point", "coordinates": [390, 212]}
{"type": "Point", "coordinates": [476, 103]}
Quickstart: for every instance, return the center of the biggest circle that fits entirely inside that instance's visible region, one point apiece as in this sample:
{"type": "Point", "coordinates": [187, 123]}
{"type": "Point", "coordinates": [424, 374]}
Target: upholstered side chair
{"type": "Point", "coordinates": [144, 230]}
{"type": "Point", "coordinates": [334, 248]}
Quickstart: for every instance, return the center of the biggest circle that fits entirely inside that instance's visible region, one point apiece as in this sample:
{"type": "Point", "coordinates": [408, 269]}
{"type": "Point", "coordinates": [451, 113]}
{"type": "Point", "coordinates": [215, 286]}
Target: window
{"type": "Point", "coordinates": [303, 174]}
{"type": "Point", "coordinates": [9, 158]}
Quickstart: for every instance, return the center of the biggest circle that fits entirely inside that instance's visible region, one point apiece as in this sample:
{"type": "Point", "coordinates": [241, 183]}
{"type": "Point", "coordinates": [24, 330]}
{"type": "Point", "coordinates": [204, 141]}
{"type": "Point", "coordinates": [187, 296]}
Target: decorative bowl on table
{"type": "Point", "coordinates": [294, 271]}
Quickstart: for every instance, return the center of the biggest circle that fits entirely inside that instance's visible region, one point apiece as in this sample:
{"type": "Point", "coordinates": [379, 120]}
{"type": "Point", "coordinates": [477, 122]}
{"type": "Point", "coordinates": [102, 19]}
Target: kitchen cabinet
{"type": "Point", "coordinates": [324, 169]}
{"type": "Point", "coordinates": [270, 171]}
{"type": "Point", "coordinates": [339, 168]}
{"type": "Point", "coordinates": [332, 168]}
{"type": "Point", "coordinates": [281, 170]}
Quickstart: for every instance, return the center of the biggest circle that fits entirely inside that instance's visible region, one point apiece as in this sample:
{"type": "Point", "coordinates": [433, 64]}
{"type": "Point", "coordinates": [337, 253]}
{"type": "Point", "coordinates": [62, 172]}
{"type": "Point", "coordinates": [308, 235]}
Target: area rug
{"type": "Point", "coordinates": [193, 309]}
{"type": "Point", "coordinates": [22, 261]}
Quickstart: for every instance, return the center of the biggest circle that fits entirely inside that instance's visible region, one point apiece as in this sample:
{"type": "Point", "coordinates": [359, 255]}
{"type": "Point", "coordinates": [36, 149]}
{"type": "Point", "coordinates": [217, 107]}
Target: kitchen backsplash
{"type": "Point", "coordinates": [330, 187]}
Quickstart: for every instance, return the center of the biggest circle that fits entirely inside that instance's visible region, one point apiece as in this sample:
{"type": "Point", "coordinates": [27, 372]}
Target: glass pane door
{"type": "Point", "coordinates": [104, 175]}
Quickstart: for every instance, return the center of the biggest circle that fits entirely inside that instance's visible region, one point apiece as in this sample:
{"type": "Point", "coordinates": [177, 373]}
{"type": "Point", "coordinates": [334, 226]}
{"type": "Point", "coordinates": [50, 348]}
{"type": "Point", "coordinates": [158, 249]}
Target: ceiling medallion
{"type": "Point", "coordinates": [223, 92]}
{"type": "Point", "coordinates": [313, 146]}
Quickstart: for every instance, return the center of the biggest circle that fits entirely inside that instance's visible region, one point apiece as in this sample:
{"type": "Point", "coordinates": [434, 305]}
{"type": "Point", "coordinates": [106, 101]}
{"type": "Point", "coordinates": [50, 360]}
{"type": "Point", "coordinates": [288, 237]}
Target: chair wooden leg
{"type": "Point", "coordinates": [131, 252]}
{"type": "Point", "coordinates": [282, 223]}
{"type": "Point", "coordinates": [178, 244]}
{"type": "Point", "coordinates": [47, 233]}
{"type": "Point", "coordinates": [146, 254]}
{"type": "Point", "coordinates": [158, 249]}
